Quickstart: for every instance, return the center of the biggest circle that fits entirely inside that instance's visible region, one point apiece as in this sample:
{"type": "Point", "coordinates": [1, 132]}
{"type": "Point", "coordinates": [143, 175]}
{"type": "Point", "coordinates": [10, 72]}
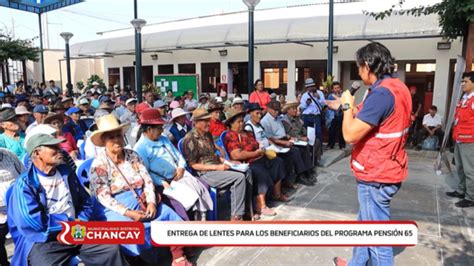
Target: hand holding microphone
{"type": "Point", "coordinates": [354, 87]}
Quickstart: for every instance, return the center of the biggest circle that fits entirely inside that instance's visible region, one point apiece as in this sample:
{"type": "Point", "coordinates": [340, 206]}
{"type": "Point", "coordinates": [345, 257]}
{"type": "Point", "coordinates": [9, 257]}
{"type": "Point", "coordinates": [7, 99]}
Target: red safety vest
{"type": "Point", "coordinates": [463, 130]}
{"type": "Point", "coordinates": [380, 156]}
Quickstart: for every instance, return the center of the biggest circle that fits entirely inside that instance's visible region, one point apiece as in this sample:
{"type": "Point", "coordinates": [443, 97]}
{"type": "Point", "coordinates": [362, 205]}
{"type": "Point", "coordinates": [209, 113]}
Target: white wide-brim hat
{"type": "Point", "coordinates": [106, 123]}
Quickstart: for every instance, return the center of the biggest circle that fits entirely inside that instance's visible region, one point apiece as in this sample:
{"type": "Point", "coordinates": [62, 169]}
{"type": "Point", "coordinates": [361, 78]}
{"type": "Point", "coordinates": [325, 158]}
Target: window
{"type": "Point", "coordinates": [275, 76]}
{"type": "Point", "coordinates": [187, 68]}
{"type": "Point", "coordinates": [408, 68]}
{"type": "Point", "coordinates": [211, 75]}
{"type": "Point", "coordinates": [165, 69]}
{"type": "Point", "coordinates": [425, 67]}
{"type": "Point", "coordinates": [114, 76]}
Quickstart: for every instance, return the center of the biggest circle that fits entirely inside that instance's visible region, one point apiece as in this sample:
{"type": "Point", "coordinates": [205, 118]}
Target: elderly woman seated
{"type": "Point", "coordinates": [166, 165]}
{"type": "Point", "coordinates": [123, 186]}
{"type": "Point", "coordinates": [267, 173]}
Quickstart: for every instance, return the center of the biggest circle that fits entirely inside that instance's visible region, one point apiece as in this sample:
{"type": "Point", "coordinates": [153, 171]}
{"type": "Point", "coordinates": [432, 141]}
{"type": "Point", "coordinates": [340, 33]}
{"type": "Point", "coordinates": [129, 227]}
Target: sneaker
{"type": "Point", "coordinates": [339, 262]}
{"type": "Point", "coordinates": [464, 203]}
{"type": "Point", "coordinates": [455, 194]}
{"type": "Point", "coordinates": [236, 218]}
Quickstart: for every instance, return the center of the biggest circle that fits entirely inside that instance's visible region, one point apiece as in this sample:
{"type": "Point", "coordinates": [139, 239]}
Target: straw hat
{"type": "Point", "coordinates": [231, 115]}
{"type": "Point", "coordinates": [53, 116]}
{"type": "Point", "coordinates": [200, 114]}
{"type": "Point", "coordinates": [214, 106]}
{"type": "Point", "coordinates": [106, 123]}
{"type": "Point", "coordinates": [289, 105]}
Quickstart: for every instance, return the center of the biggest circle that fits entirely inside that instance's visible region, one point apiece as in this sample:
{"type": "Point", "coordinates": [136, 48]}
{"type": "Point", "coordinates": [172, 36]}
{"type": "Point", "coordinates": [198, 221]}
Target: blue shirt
{"type": "Point", "coordinates": [274, 128]}
{"type": "Point", "coordinates": [312, 108]}
{"type": "Point", "coordinates": [378, 105]}
{"type": "Point", "coordinates": [178, 133]}
{"type": "Point", "coordinates": [14, 145]}
{"type": "Point", "coordinates": [160, 158]}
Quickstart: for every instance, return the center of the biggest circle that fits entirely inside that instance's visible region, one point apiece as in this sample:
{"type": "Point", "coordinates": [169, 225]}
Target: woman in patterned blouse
{"type": "Point", "coordinates": [243, 147]}
{"type": "Point", "coordinates": [118, 178]}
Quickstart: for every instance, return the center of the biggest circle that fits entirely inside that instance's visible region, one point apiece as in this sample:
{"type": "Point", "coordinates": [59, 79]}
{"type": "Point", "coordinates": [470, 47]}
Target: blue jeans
{"type": "Point", "coordinates": [374, 205]}
{"type": "Point", "coordinates": [314, 121]}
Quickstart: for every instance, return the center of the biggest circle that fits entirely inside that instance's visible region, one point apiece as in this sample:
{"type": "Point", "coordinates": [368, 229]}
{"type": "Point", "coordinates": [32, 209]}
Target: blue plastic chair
{"type": "Point", "coordinates": [221, 140]}
{"type": "Point", "coordinates": [25, 160]}
{"type": "Point", "coordinates": [211, 215]}
{"type": "Point", "coordinates": [82, 150]}
{"type": "Point", "coordinates": [82, 171]}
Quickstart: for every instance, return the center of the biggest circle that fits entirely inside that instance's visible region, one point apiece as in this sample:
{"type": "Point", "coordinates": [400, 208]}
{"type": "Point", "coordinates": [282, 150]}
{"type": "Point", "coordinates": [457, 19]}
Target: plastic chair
{"type": "Point", "coordinates": [211, 215]}
{"type": "Point", "coordinates": [25, 160]}
{"type": "Point", "coordinates": [82, 171]}
{"type": "Point", "coordinates": [82, 147]}
{"type": "Point", "coordinates": [221, 139]}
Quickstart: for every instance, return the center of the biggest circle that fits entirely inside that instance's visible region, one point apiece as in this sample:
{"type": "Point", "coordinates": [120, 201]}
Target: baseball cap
{"type": "Point", "coordinates": [72, 110]}
{"type": "Point", "coordinates": [39, 129]}
{"type": "Point", "coordinates": [41, 140]}
{"type": "Point", "coordinates": [105, 99]}
{"type": "Point", "coordinates": [131, 100]}
{"type": "Point", "coordinates": [83, 101]}
{"type": "Point", "coordinates": [41, 109]}
{"type": "Point", "coordinates": [159, 104]}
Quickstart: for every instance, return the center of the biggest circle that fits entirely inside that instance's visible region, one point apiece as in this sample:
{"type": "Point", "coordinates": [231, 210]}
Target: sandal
{"type": "Point", "coordinates": [266, 212]}
{"type": "Point", "coordinates": [282, 198]}
{"type": "Point", "coordinates": [183, 261]}
{"type": "Point", "coordinates": [290, 185]}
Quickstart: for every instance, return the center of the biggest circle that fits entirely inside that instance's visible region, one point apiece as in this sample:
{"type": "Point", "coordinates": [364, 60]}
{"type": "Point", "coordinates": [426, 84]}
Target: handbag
{"type": "Point", "coordinates": [140, 198]}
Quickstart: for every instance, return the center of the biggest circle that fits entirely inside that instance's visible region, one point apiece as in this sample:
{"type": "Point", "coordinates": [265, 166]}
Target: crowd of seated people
{"type": "Point", "coordinates": [138, 149]}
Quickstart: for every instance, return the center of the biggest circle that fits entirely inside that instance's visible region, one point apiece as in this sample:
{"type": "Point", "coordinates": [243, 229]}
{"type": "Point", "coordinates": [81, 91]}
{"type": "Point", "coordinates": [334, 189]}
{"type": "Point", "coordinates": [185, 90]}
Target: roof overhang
{"type": "Point", "coordinates": [38, 6]}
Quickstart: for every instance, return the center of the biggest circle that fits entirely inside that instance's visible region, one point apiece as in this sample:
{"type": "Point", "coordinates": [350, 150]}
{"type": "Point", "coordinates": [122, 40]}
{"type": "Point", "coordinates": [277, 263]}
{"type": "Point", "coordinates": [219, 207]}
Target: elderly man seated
{"type": "Point", "coordinates": [10, 138]}
{"type": "Point", "coordinates": [295, 129]}
{"type": "Point", "coordinates": [41, 198]}
{"type": "Point", "coordinates": [431, 126]}
{"type": "Point", "coordinates": [199, 151]}
{"type": "Point", "coordinates": [275, 131]}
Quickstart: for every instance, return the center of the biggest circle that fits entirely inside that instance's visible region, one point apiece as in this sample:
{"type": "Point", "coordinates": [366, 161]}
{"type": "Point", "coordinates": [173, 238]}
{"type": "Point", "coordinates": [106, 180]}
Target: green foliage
{"type": "Point", "coordinates": [454, 15]}
{"type": "Point", "coordinates": [17, 49]}
{"type": "Point", "coordinates": [80, 85]}
{"type": "Point", "coordinates": [328, 82]}
{"type": "Point", "coordinates": [97, 79]}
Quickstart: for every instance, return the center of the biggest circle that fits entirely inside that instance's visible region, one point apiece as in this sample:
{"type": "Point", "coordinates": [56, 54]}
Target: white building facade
{"type": "Point", "coordinates": [291, 45]}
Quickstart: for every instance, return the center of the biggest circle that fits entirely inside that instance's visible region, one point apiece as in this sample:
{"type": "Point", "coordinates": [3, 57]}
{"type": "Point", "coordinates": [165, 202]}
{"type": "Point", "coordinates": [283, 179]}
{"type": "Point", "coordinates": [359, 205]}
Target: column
{"type": "Point", "coordinates": [291, 95]}
{"type": "Point", "coordinates": [440, 88]}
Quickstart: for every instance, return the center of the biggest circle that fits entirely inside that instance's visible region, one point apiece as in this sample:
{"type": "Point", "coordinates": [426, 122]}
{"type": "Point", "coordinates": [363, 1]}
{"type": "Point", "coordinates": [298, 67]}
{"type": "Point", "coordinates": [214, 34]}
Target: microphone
{"type": "Point", "coordinates": [354, 87]}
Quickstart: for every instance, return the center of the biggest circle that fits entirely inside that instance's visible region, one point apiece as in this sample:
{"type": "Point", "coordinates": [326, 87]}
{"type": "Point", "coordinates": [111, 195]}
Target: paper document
{"type": "Point", "coordinates": [300, 143]}
{"type": "Point", "coordinates": [242, 167]}
{"type": "Point", "coordinates": [182, 193]}
{"type": "Point", "coordinates": [278, 149]}
{"type": "Point", "coordinates": [311, 136]}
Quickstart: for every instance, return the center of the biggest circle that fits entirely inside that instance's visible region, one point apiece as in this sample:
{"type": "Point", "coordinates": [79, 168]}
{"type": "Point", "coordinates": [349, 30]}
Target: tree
{"type": "Point", "coordinates": [16, 50]}
{"type": "Point", "coordinates": [456, 19]}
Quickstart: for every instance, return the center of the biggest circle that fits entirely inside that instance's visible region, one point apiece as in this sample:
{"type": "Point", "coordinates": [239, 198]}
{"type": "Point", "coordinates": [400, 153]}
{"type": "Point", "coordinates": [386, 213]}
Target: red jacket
{"type": "Point", "coordinates": [463, 130]}
{"type": "Point", "coordinates": [380, 156]}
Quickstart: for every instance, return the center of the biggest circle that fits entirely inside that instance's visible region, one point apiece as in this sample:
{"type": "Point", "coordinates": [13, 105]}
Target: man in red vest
{"type": "Point", "coordinates": [463, 135]}
{"type": "Point", "coordinates": [378, 129]}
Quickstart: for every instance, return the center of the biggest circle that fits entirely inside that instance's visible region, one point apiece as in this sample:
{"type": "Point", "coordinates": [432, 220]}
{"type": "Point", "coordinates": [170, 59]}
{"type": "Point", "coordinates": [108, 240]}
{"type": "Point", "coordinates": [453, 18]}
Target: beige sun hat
{"type": "Point", "coordinates": [289, 105]}
{"type": "Point", "coordinates": [106, 123]}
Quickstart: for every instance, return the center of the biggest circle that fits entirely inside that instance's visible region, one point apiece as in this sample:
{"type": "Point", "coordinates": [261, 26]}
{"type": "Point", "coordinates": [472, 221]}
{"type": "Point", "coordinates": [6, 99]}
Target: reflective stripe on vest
{"type": "Point", "coordinates": [357, 165]}
{"type": "Point", "coordinates": [392, 135]}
